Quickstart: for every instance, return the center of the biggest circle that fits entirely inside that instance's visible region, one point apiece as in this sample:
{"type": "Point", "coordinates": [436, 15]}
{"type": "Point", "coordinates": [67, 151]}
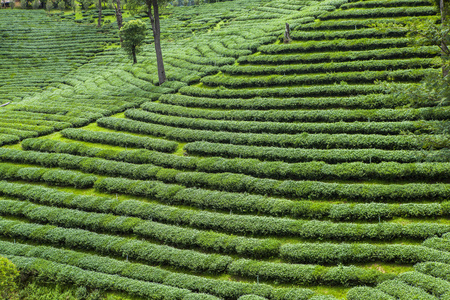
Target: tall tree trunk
{"type": "Point", "coordinates": [119, 17]}
{"type": "Point", "coordinates": [99, 13]}
{"type": "Point", "coordinates": [133, 51]}
{"type": "Point", "coordinates": [444, 48]}
{"type": "Point", "coordinates": [154, 19]}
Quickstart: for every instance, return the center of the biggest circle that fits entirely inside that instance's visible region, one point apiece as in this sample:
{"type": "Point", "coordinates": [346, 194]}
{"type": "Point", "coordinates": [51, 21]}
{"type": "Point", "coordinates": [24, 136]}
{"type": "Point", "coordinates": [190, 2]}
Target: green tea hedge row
{"type": "Point", "coordinates": [354, 24]}
{"type": "Point", "coordinates": [361, 102]}
{"type": "Point", "coordinates": [205, 69]}
{"type": "Point", "coordinates": [334, 90]}
{"type": "Point", "coordinates": [220, 49]}
{"type": "Point", "coordinates": [276, 170]}
{"type": "Point", "coordinates": [378, 3]}
{"type": "Point", "coordinates": [291, 155]}
{"type": "Point", "coordinates": [334, 45]}
{"type": "Point", "coordinates": [184, 237]}
{"type": "Point", "coordinates": [213, 61]}
{"type": "Point", "coordinates": [438, 243]}
{"type": "Point", "coordinates": [6, 139]}
{"type": "Point", "coordinates": [403, 291]}
{"type": "Point", "coordinates": [220, 288]}
{"type": "Point", "coordinates": [315, 79]}
{"type": "Point", "coordinates": [382, 128]}
{"type": "Point", "coordinates": [327, 253]}
{"type": "Point", "coordinates": [430, 284]}
{"type": "Point", "coordinates": [50, 176]}
{"type": "Point", "coordinates": [290, 273]}
{"type": "Point", "coordinates": [320, 141]}
{"type": "Point", "coordinates": [264, 225]}
{"type": "Point", "coordinates": [307, 274]}
{"type": "Point", "coordinates": [372, 65]}
{"type": "Point", "coordinates": [329, 115]}
{"type": "Point", "coordinates": [364, 293]}
{"type": "Point", "coordinates": [51, 114]}
{"type": "Point", "coordinates": [272, 206]}
{"type": "Point", "coordinates": [53, 119]}
{"type": "Point", "coordinates": [66, 274]}
{"type": "Point", "coordinates": [347, 34]}
{"type": "Point", "coordinates": [40, 129]}
{"type": "Point", "coordinates": [114, 245]}
{"type": "Point", "coordinates": [336, 56]}
{"type": "Point", "coordinates": [435, 269]}
{"type": "Point", "coordinates": [251, 297]}
{"type": "Point", "coordinates": [313, 190]}
{"type": "Point", "coordinates": [240, 224]}
{"type": "Point", "coordinates": [174, 235]}
{"type": "Point", "coordinates": [119, 139]}
{"type": "Point", "coordinates": [380, 12]}
{"type": "Point", "coordinates": [21, 134]}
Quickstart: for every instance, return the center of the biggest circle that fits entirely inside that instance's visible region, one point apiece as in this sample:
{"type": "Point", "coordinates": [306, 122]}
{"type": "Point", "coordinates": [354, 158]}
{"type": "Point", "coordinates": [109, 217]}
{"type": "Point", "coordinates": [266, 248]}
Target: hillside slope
{"type": "Point", "coordinates": [260, 170]}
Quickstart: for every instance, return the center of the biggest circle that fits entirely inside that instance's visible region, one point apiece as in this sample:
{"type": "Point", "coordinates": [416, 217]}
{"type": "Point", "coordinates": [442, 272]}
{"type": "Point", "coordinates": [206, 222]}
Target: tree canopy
{"type": "Point", "coordinates": [133, 35]}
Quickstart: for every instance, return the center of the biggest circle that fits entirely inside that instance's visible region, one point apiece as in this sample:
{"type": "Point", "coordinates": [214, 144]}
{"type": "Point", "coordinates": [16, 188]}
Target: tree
{"type": "Point", "coordinates": [99, 5]}
{"type": "Point", "coordinates": [428, 32]}
{"type": "Point", "coordinates": [133, 35]}
{"type": "Point", "coordinates": [152, 9]}
{"type": "Point", "coordinates": [434, 90]}
{"type": "Point", "coordinates": [8, 277]}
{"type": "Point", "coordinates": [118, 10]}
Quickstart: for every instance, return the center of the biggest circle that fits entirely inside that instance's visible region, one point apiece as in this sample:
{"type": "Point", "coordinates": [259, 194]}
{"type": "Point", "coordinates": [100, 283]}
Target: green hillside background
{"type": "Point", "coordinates": [258, 170]}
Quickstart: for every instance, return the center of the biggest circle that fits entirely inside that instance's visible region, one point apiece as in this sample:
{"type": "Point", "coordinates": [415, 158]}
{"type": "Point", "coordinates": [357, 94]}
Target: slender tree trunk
{"type": "Point", "coordinates": [444, 48]}
{"type": "Point", "coordinates": [154, 19]}
{"type": "Point", "coordinates": [133, 51]}
{"type": "Point", "coordinates": [99, 13]}
{"type": "Point", "coordinates": [287, 34]}
{"type": "Point", "coordinates": [119, 17]}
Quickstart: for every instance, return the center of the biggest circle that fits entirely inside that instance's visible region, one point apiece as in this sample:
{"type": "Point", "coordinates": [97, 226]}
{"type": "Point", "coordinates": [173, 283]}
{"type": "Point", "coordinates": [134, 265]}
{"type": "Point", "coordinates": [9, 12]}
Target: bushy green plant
{"type": "Point", "coordinates": [62, 5]}
{"type": "Point", "coordinates": [8, 278]}
{"type": "Point", "coordinates": [133, 35]}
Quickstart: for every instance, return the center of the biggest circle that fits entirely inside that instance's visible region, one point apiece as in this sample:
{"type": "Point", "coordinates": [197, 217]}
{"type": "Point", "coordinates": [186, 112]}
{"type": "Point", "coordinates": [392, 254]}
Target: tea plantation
{"type": "Point", "coordinates": [258, 170]}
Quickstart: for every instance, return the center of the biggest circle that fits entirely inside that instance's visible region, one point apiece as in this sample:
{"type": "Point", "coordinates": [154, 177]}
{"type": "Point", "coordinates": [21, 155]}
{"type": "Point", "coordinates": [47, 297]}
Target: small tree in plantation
{"type": "Point", "coordinates": [8, 277]}
{"type": "Point", "coordinates": [151, 7]}
{"type": "Point", "coordinates": [133, 35]}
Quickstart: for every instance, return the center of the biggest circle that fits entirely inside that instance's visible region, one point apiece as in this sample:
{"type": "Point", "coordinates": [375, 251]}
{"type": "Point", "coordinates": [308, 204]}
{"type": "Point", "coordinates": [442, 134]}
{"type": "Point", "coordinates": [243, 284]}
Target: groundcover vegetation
{"type": "Point", "coordinates": [259, 170]}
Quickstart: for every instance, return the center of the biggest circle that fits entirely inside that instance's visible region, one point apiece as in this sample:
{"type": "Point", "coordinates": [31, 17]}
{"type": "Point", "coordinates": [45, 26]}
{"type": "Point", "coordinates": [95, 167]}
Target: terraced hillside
{"type": "Point", "coordinates": [259, 170]}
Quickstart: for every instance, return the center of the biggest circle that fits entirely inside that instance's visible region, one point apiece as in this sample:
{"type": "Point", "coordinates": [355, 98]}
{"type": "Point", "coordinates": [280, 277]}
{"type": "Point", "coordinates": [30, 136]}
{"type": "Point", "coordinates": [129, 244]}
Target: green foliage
{"type": "Point", "coordinates": [133, 35]}
{"type": "Point", "coordinates": [314, 79]}
{"type": "Point", "coordinates": [379, 12]}
{"type": "Point", "coordinates": [65, 274]}
{"type": "Point", "coordinates": [362, 102]}
{"type": "Point", "coordinates": [305, 140]}
{"type": "Point", "coordinates": [119, 139]}
{"type": "Point", "coordinates": [107, 244]}
{"type": "Point", "coordinates": [8, 278]}
{"type": "Point", "coordinates": [86, 3]}
{"type": "Point", "coordinates": [345, 253]}
{"type": "Point", "coordinates": [220, 288]}
{"type": "Point", "coordinates": [49, 5]}
{"type": "Point", "coordinates": [363, 293]}
{"type": "Point", "coordinates": [61, 5]}
{"type": "Point", "coordinates": [308, 274]}
{"type": "Point", "coordinates": [365, 116]}
{"type": "Point", "coordinates": [336, 56]}
{"type": "Point", "coordinates": [335, 90]}
{"type": "Point", "coordinates": [6, 139]}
